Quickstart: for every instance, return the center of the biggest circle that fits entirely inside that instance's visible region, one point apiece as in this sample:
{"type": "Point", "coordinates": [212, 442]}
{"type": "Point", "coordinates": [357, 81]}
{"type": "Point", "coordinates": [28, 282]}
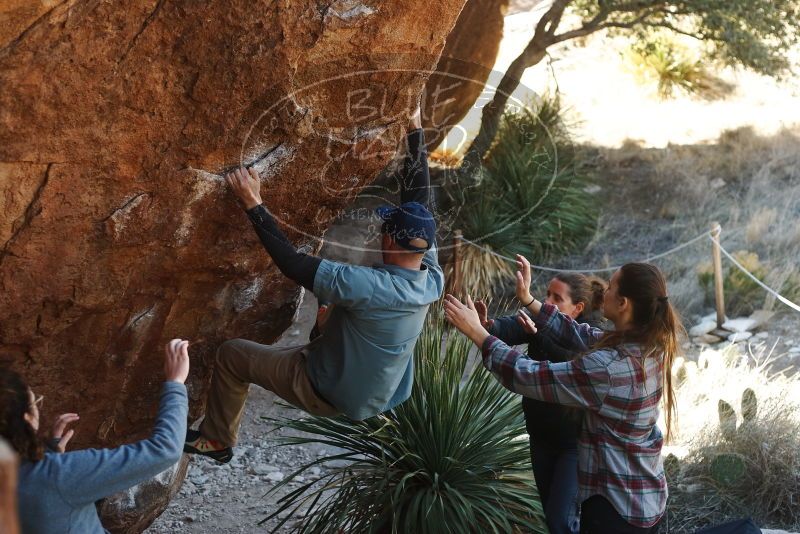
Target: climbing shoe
{"type": "Point", "coordinates": [197, 444]}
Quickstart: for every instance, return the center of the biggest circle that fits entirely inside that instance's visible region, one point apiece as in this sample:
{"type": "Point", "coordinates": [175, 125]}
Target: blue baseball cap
{"type": "Point", "coordinates": [411, 225]}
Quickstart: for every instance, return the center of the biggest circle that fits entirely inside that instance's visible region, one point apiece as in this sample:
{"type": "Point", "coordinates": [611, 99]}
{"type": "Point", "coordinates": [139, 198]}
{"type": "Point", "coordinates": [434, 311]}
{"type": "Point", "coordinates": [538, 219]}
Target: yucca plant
{"type": "Point", "coordinates": [452, 458]}
{"type": "Point", "coordinates": [528, 199]}
{"type": "Point", "coordinates": [673, 67]}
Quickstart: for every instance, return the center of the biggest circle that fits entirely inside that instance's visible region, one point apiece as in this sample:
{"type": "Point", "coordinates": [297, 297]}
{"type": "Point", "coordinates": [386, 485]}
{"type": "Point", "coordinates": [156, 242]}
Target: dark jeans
{"type": "Point", "coordinates": [556, 474]}
{"type": "Point", "coordinates": [598, 516]}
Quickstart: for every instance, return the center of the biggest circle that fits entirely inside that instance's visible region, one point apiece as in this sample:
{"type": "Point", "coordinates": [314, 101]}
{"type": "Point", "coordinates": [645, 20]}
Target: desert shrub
{"type": "Point", "coordinates": [673, 67]}
{"type": "Point", "coordinates": [529, 198]}
{"type": "Point", "coordinates": [452, 458]}
{"type": "Point", "coordinates": [739, 427]}
{"type": "Point", "coordinates": [791, 285]}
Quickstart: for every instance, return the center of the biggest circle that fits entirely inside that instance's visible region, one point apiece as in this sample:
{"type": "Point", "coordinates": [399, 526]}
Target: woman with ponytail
{"type": "Point", "coordinates": [619, 381]}
{"type": "Point", "coordinates": [552, 429]}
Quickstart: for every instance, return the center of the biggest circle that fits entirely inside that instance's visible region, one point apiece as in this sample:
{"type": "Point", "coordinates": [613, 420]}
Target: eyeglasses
{"type": "Point", "coordinates": [38, 401]}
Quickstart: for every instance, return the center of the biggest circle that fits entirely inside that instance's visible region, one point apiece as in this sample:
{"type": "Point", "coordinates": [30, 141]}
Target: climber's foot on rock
{"type": "Point", "coordinates": [197, 444]}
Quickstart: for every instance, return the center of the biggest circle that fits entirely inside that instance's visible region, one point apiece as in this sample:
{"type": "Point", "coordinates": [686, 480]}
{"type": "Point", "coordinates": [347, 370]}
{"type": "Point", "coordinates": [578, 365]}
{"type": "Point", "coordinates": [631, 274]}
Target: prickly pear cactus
{"type": "Point", "coordinates": [727, 420]}
{"type": "Point", "coordinates": [749, 406]}
{"type": "Point", "coordinates": [728, 468]}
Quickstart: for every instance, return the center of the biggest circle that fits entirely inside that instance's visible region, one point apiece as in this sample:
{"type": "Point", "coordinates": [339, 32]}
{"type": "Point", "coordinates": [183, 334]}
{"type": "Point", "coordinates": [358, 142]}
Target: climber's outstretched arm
{"type": "Point", "coordinates": [415, 182]}
{"type": "Point", "coordinates": [298, 266]}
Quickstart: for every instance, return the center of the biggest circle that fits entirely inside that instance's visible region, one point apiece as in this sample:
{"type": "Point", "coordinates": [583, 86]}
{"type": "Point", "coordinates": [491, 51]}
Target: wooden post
{"type": "Point", "coordinates": [9, 523]}
{"type": "Point", "coordinates": [719, 295]}
{"type": "Point", "coordinates": [457, 235]}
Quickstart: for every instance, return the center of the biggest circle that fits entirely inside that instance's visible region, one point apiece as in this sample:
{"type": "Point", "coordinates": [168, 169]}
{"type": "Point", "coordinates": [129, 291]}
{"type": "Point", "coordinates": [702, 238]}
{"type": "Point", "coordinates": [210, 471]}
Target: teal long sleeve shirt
{"type": "Point", "coordinates": [57, 493]}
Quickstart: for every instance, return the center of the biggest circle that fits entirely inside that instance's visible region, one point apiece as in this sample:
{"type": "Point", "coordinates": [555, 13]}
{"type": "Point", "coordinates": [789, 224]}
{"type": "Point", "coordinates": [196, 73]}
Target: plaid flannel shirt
{"type": "Point", "coordinates": [619, 447]}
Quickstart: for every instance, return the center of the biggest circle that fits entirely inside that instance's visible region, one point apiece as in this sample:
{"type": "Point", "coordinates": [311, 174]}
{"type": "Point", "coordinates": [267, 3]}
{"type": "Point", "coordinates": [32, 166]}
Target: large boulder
{"type": "Point", "coordinates": [136, 508]}
{"type": "Point", "coordinates": [463, 69]}
{"type": "Point", "coordinates": [117, 121]}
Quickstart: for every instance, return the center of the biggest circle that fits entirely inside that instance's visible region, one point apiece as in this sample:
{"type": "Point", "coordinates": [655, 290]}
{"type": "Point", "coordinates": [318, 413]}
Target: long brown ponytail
{"type": "Point", "coordinates": [656, 326]}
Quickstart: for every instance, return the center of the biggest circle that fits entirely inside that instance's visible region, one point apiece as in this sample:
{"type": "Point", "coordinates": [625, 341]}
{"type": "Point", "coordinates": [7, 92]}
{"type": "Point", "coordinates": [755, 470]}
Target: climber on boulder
{"type": "Point", "coordinates": [361, 364]}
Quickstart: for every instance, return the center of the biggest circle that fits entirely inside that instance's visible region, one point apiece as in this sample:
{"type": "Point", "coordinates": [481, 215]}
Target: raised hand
{"type": "Point", "coordinates": [246, 185]}
{"type": "Point", "coordinates": [58, 436]}
{"type": "Point", "coordinates": [483, 314]}
{"type": "Point", "coordinates": [526, 322]}
{"type": "Point", "coordinates": [465, 318]}
{"type": "Point", "coordinates": [176, 362]}
{"type": "Point", "coordinates": [415, 120]}
{"type": "Point", "coordinates": [523, 290]}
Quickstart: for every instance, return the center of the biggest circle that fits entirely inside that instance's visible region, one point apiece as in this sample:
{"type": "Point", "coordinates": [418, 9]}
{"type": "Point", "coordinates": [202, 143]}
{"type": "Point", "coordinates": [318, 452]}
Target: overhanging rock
{"type": "Point", "coordinates": [117, 121]}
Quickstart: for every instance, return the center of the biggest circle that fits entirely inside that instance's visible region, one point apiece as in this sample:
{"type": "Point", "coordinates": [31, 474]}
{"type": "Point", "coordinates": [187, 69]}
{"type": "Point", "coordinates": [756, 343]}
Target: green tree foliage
{"type": "Point", "coordinates": [755, 34]}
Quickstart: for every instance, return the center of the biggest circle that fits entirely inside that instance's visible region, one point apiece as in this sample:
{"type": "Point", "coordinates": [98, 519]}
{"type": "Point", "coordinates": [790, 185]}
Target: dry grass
{"type": "Point", "coordinates": [725, 471]}
{"type": "Point", "coordinates": [482, 273]}
{"type": "Point", "coordinates": [657, 198]}
{"type": "Point", "coordinates": [761, 176]}
{"type": "Point", "coordinates": [446, 157]}
{"type": "Point", "coordinates": [759, 224]}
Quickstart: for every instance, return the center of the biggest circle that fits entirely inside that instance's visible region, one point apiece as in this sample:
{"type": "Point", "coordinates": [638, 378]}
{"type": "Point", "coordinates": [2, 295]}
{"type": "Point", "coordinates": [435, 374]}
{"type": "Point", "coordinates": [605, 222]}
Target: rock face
{"type": "Point", "coordinates": [134, 510]}
{"type": "Point", "coordinates": [465, 65]}
{"type": "Point", "coordinates": [117, 121]}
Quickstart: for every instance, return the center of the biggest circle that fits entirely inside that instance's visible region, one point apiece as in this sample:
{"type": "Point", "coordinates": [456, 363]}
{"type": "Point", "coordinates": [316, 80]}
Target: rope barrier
{"type": "Point", "coordinates": [598, 270]}
{"type": "Point", "coordinates": [754, 278]}
{"type": "Point", "coordinates": [692, 241]}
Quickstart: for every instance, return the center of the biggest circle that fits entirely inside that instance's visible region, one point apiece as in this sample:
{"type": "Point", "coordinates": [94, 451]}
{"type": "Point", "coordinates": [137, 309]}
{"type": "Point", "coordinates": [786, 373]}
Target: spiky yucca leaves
{"type": "Point", "coordinates": [660, 58]}
{"type": "Point", "coordinates": [528, 199]}
{"type": "Point", "coordinates": [452, 458]}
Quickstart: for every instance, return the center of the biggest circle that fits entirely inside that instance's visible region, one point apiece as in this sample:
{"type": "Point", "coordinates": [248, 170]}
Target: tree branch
{"type": "Point", "coordinates": [597, 24]}
{"type": "Point", "coordinates": [533, 53]}
{"type": "Point", "coordinates": [587, 28]}
{"type": "Point", "coordinates": [558, 8]}
{"type": "Point", "coordinates": [548, 22]}
{"type": "Point", "coordinates": [607, 14]}
{"type": "Point", "coordinates": [666, 25]}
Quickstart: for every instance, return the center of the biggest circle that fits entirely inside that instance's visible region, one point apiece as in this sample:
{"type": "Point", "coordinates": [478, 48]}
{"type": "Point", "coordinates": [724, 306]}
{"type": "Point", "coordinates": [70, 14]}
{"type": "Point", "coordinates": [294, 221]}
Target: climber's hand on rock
{"type": "Point", "coordinates": [415, 120]}
{"type": "Point", "coordinates": [246, 186]}
{"type": "Point", "coordinates": [176, 364]}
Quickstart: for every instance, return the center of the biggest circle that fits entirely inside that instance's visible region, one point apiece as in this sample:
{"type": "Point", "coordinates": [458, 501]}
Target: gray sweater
{"type": "Point", "coordinates": [57, 493]}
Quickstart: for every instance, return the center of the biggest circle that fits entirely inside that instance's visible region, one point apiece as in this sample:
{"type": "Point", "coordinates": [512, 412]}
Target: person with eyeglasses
{"type": "Point", "coordinates": [56, 489]}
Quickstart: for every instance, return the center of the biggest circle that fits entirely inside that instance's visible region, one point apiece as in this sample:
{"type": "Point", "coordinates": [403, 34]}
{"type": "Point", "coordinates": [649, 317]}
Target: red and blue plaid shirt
{"type": "Point", "coordinates": [619, 447]}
